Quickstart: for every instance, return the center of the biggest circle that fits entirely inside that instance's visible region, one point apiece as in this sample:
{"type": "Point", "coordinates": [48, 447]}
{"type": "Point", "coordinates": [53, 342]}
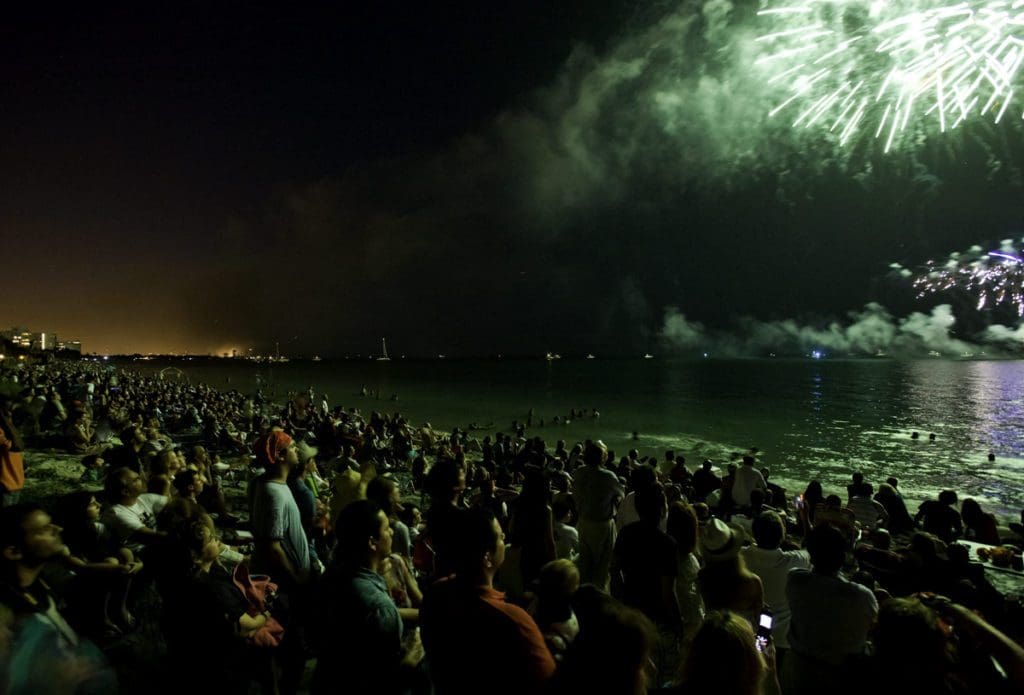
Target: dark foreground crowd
{"type": "Point", "coordinates": [333, 551]}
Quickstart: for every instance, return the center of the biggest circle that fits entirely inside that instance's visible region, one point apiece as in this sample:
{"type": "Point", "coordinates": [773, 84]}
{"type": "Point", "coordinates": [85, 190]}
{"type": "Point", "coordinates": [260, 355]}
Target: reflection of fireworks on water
{"type": "Point", "coordinates": [996, 278]}
{"type": "Point", "coordinates": [892, 68]}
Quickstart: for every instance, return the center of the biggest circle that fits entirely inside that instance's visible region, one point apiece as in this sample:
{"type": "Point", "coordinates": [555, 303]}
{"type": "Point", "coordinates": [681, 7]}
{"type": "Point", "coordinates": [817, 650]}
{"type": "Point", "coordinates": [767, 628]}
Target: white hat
{"type": "Point", "coordinates": [721, 541]}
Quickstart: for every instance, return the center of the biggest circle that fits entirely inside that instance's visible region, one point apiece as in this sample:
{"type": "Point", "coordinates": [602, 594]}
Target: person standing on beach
{"type": "Point", "coordinates": [747, 480]}
{"type": "Point", "coordinates": [365, 646]}
{"type": "Point", "coordinates": [598, 493]}
{"type": "Point", "coordinates": [12, 464]}
{"type": "Point", "coordinates": [476, 641]}
{"type": "Point", "coordinates": [281, 548]}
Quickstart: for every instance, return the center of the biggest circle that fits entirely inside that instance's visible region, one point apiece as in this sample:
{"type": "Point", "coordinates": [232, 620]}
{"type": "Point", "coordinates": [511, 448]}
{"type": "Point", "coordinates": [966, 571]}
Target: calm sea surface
{"type": "Point", "coordinates": [809, 418]}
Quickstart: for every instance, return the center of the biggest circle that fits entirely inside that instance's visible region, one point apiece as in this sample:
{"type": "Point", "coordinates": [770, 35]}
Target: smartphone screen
{"type": "Point", "coordinates": [764, 630]}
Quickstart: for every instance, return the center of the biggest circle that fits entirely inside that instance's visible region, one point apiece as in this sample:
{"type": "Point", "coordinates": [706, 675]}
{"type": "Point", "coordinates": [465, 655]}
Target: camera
{"type": "Point", "coordinates": [764, 630]}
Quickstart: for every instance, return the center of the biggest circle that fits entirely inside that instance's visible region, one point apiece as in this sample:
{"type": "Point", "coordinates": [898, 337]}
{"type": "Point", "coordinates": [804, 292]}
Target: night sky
{"type": "Point", "coordinates": [465, 178]}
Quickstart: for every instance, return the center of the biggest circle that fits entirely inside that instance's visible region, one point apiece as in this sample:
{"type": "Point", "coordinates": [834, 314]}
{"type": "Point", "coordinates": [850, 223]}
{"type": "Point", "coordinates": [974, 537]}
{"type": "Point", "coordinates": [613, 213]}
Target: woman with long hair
{"type": "Point", "coordinates": [724, 658]}
{"type": "Point", "coordinates": [683, 526]}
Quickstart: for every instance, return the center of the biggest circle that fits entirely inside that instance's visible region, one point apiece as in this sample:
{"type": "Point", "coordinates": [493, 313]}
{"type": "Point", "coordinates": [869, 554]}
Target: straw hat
{"type": "Point", "coordinates": [721, 541]}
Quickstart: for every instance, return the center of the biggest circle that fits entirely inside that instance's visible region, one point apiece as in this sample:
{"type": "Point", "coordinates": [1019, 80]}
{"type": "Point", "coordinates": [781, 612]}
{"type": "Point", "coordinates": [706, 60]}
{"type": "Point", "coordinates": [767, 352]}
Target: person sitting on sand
{"type": "Point", "coordinates": [46, 655]}
{"type": "Point", "coordinates": [940, 517]}
{"type": "Point", "coordinates": [978, 525]}
{"type": "Point", "coordinates": [869, 513]}
{"type": "Point", "coordinates": [900, 520]}
{"type": "Point", "coordinates": [129, 454]}
{"type": "Point", "coordinates": [131, 516]}
{"type": "Point", "coordinates": [832, 513]}
{"type": "Point", "coordinates": [80, 434]}
{"type": "Point", "coordinates": [858, 488]}
{"type": "Point", "coordinates": [831, 617]}
{"type": "Point", "coordinates": [104, 576]}
{"type": "Point", "coordinates": [162, 468]}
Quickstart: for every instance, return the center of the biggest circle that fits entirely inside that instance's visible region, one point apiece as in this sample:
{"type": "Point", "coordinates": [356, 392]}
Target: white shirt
{"type": "Point", "coordinates": [773, 567]}
{"type": "Point", "coordinates": [567, 541]}
{"type": "Point", "coordinates": [597, 492]}
{"type": "Point", "coordinates": [122, 521]}
{"type": "Point", "coordinates": [747, 480]}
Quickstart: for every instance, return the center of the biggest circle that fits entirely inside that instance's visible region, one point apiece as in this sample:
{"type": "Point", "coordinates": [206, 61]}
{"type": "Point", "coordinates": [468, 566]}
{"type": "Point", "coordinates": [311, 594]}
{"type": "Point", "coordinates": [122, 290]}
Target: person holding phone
{"type": "Point", "coordinates": [772, 564]}
{"type": "Point", "coordinates": [725, 657]}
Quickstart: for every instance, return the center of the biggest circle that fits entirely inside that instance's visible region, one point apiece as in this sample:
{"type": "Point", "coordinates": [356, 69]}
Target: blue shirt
{"type": "Point", "coordinates": [362, 639]}
{"type": "Point", "coordinates": [275, 517]}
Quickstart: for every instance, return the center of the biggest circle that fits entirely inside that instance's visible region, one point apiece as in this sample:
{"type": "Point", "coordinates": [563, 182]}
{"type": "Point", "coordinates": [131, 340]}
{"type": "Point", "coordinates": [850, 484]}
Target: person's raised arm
{"type": "Point", "coordinates": [1004, 650]}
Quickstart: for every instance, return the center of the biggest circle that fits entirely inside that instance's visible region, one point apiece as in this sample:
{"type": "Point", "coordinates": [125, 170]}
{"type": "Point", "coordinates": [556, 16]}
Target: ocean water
{"type": "Point", "coordinates": [809, 419]}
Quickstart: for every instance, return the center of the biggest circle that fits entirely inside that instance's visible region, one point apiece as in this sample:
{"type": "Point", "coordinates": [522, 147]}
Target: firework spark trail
{"type": "Point", "coordinates": [917, 64]}
{"type": "Point", "coordinates": [993, 279]}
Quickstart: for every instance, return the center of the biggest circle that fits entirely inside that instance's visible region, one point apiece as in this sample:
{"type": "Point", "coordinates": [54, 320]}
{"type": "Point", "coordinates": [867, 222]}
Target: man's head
{"type": "Point", "coordinates": [642, 476]}
{"type": "Point", "coordinates": [189, 483]}
{"type": "Point", "coordinates": [748, 460]}
{"type": "Point", "coordinates": [707, 465]}
{"type": "Point", "coordinates": [769, 530]}
{"type": "Point", "coordinates": [28, 536]}
{"type": "Point", "coordinates": [858, 478]}
{"type": "Point", "coordinates": [276, 449]}
{"type": "Point", "coordinates": [123, 484]}
{"type": "Point", "coordinates": [594, 454]}
{"type": "Point", "coordinates": [479, 547]}
{"type": "Point", "coordinates": [364, 535]}
{"type": "Point", "coordinates": [947, 497]}
{"type": "Point", "coordinates": [651, 503]}
{"type": "Point", "coordinates": [827, 548]}
{"type": "Point", "coordinates": [386, 494]}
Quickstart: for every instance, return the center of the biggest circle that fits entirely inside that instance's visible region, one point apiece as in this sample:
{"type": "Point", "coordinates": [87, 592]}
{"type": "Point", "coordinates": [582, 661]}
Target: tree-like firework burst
{"type": "Point", "coordinates": [992, 279]}
{"type": "Point", "coordinates": [892, 69]}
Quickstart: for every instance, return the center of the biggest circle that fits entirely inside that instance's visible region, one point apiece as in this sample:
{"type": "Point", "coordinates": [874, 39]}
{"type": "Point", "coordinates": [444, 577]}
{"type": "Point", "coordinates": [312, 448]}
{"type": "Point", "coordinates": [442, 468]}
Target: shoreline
{"type": "Point", "coordinates": [991, 484]}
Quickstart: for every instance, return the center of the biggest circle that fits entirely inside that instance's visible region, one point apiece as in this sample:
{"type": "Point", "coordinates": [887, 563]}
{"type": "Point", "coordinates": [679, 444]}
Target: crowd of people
{"type": "Point", "coordinates": [298, 546]}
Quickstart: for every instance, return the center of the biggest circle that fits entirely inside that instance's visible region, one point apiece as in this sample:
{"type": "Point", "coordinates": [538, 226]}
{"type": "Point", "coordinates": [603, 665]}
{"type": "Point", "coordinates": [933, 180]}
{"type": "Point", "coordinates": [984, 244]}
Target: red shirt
{"type": "Point", "coordinates": [476, 642]}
